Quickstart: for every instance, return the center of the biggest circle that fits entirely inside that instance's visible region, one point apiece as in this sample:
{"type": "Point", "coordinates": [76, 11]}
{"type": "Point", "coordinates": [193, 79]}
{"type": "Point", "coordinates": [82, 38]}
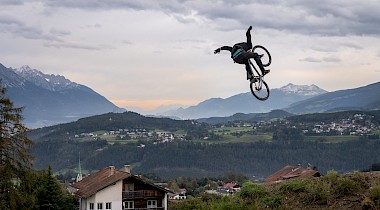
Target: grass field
{"type": "Point", "coordinates": [228, 134]}
{"type": "Point", "coordinates": [332, 139]}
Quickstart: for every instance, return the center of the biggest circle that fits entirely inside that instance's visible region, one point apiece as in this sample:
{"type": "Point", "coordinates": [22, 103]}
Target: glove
{"type": "Point", "coordinates": [217, 51]}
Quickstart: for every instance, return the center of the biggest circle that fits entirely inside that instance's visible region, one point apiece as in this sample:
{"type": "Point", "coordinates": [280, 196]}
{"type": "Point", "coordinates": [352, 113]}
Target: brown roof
{"type": "Point", "coordinates": [98, 181]}
{"type": "Point", "coordinates": [289, 172]}
{"type": "Point", "coordinates": [230, 185]}
{"type": "Point", "coordinates": [102, 179]}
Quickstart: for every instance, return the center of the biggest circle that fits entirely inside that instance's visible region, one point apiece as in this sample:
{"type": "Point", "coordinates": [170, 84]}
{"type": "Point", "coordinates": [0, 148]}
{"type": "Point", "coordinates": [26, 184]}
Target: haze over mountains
{"type": "Point", "coordinates": [51, 99]}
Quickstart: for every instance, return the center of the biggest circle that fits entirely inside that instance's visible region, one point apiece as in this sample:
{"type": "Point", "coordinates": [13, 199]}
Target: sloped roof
{"type": "Point", "coordinates": [289, 172]}
{"type": "Point", "coordinates": [98, 181]}
{"type": "Point", "coordinates": [102, 179]}
{"type": "Point", "coordinates": [230, 185]}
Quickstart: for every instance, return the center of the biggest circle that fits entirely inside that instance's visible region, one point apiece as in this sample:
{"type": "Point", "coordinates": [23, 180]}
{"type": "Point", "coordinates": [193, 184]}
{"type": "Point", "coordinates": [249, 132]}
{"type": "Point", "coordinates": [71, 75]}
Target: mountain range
{"type": "Point", "coordinates": [361, 98]}
{"type": "Point", "coordinates": [51, 99]}
{"type": "Point", "coordinates": [245, 103]}
{"type": "Point", "coordinates": [294, 99]}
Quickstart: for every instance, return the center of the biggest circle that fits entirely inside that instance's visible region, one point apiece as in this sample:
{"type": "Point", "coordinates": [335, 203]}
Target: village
{"type": "Point", "coordinates": [357, 125]}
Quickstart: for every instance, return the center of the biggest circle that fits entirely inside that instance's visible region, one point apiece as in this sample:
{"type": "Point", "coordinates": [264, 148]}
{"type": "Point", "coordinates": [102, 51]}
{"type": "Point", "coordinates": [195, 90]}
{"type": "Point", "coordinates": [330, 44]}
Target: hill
{"type": "Point", "coordinates": [361, 98]}
{"type": "Point", "coordinates": [200, 150]}
{"type": "Point", "coordinates": [51, 99]}
{"type": "Point", "coordinates": [246, 103]}
{"type": "Point", "coordinates": [253, 117]}
{"type": "Point", "coordinates": [359, 190]}
{"type": "Point", "coordinates": [111, 122]}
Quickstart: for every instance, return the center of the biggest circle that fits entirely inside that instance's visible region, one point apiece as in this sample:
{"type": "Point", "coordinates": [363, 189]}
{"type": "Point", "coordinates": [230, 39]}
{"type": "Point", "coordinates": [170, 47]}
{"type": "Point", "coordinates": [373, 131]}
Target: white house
{"type": "Point", "coordinates": [112, 189]}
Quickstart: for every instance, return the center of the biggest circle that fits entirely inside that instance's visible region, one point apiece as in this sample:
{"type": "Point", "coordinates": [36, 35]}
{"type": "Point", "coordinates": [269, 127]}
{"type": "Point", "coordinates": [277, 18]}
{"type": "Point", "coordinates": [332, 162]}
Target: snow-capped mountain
{"type": "Point", "coordinates": [48, 81]}
{"type": "Point", "coordinates": [307, 90]}
{"type": "Point", "coordinates": [51, 99]}
{"type": "Point", "coordinates": [360, 98]}
{"type": "Point", "coordinates": [245, 103]}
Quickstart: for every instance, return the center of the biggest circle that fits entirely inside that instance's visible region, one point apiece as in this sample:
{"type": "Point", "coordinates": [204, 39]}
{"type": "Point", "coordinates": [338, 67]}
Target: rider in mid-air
{"type": "Point", "coordinates": [241, 53]}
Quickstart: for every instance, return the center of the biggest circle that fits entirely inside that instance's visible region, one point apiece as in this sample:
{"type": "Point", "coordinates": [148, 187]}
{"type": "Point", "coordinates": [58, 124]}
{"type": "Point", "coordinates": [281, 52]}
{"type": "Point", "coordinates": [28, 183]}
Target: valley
{"type": "Point", "coordinates": [173, 148]}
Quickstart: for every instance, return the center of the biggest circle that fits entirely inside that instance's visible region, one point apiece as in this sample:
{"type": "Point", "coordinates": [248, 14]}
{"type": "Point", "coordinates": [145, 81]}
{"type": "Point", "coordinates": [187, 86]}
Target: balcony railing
{"type": "Point", "coordinates": [141, 194]}
{"type": "Point", "coordinates": [158, 208]}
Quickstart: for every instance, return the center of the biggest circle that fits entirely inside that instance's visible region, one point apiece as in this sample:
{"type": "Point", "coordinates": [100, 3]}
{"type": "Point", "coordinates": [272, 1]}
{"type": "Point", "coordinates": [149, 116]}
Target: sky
{"type": "Point", "coordinates": [146, 53]}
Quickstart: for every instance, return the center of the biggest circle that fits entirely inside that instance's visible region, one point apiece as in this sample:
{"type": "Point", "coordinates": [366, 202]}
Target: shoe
{"type": "Point", "coordinates": [265, 72]}
{"type": "Point", "coordinates": [253, 79]}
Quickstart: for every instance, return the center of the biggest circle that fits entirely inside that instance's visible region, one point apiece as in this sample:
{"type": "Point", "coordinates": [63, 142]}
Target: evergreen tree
{"type": "Point", "coordinates": [49, 193]}
{"type": "Point", "coordinates": [15, 158]}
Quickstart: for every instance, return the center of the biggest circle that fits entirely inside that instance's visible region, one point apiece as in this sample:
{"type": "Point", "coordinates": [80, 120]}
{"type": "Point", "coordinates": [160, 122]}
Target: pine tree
{"type": "Point", "coordinates": [15, 156]}
{"type": "Point", "coordinates": [49, 193]}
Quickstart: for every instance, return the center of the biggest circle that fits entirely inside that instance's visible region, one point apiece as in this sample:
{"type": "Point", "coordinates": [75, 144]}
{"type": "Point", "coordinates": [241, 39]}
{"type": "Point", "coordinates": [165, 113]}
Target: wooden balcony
{"type": "Point", "coordinates": [158, 208]}
{"type": "Point", "coordinates": [142, 194]}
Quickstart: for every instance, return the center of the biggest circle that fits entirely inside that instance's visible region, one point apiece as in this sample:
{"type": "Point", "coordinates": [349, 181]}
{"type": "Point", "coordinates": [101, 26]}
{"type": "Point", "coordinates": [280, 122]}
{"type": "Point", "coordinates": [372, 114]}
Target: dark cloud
{"type": "Point", "coordinates": [324, 17]}
{"type": "Point", "coordinates": [17, 28]}
{"type": "Point", "coordinates": [100, 4]}
{"type": "Point", "coordinates": [11, 2]}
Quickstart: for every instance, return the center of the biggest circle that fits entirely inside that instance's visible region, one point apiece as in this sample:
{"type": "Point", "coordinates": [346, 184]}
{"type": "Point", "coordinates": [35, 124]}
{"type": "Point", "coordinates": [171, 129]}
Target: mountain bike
{"type": "Point", "coordinates": [259, 87]}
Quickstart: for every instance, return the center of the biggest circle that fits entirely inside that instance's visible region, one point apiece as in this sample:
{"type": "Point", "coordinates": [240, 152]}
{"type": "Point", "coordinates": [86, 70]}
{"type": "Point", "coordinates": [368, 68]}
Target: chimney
{"type": "Point", "coordinates": [127, 168]}
{"type": "Point", "coordinates": [111, 170]}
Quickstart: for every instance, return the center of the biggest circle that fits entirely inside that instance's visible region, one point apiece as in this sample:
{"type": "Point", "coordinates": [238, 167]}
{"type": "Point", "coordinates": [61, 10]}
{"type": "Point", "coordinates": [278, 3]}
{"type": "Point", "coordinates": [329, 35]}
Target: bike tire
{"type": "Point", "coordinates": [267, 56]}
{"type": "Point", "coordinates": [263, 93]}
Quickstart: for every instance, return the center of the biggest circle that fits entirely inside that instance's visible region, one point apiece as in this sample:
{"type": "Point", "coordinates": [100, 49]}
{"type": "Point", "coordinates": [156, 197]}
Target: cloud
{"type": "Point", "coordinates": [17, 28]}
{"type": "Point", "coordinates": [11, 2]}
{"type": "Point", "coordinates": [311, 59]}
{"type": "Point", "coordinates": [332, 18]}
{"type": "Point", "coordinates": [331, 59]}
{"type": "Point", "coordinates": [75, 46]}
{"type": "Point", "coordinates": [103, 5]}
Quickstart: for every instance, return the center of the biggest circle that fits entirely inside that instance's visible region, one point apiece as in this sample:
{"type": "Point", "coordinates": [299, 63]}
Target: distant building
{"type": "Point", "coordinates": [291, 172]}
{"type": "Point", "coordinates": [110, 188]}
{"type": "Point", "coordinates": [180, 195]}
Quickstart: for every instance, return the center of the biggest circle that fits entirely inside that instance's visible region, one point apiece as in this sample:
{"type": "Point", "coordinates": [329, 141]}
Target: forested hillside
{"type": "Point", "coordinates": [114, 122]}
{"type": "Point", "coordinates": [200, 160]}
{"type": "Point", "coordinates": [344, 141]}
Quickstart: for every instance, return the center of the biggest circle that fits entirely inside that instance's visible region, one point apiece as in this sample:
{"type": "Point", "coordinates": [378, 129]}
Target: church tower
{"type": "Point", "coordinates": [79, 176]}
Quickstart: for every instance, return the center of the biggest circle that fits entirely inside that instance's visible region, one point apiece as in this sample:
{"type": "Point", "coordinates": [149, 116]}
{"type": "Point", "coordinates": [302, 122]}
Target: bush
{"type": "Point", "coordinates": [273, 202]}
{"type": "Point", "coordinates": [295, 186]}
{"type": "Point", "coordinates": [317, 193]}
{"type": "Point", "coordinates": [251, 190]}
{"type": "Point", "coordinates": [346, 187]}
{"type": "Point", "coordinates": [332, 176]}
{"type": "Point", "coordinates": [374, 193]}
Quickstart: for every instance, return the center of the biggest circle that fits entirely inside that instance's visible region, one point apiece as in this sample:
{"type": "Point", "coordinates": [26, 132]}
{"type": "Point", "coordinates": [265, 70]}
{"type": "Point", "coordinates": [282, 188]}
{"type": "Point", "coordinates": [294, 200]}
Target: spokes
{"type": "Point", "coordinates": [260, 89]}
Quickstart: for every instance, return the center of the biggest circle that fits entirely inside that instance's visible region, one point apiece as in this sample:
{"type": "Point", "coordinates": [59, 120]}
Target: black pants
{"type": "Point", "coordinates": [243, 58]}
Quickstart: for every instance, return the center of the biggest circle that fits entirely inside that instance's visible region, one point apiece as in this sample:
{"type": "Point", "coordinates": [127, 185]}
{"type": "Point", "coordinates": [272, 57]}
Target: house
{"type": "Point", "coordinates": [112, 189]}
{"type": "Point", "coordinates": [291, 172]}
{"type": "Point", "coordinates": [180, 195]}
{"type": "Point", "coordinates": [229, 188]}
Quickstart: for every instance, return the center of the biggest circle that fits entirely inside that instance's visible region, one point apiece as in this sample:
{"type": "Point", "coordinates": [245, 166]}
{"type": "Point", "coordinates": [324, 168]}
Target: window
{"type": "Point", "coordinates": [152, 204]}
{"type": "Point", "coordinates": [108, 205]}
{"type": "Point", "coordinates": [100, 206]}
{"type": "Point", "coordinates": [129, 187]}
{"type": "Point", "coordinates": [91, 206]}
{"type": "Point", "coordinates": [129, 205]}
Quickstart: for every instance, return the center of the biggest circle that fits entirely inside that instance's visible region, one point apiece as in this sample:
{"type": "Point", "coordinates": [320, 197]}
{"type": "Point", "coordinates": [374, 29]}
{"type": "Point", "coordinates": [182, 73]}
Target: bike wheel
{"type": "Point", "coordinates": [266, 58]}
{"type": "Point", "coordinates": [260, 90]}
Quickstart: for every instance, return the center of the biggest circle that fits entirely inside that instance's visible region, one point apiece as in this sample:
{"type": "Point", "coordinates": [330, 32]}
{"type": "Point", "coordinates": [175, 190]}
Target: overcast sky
{"type": "Point", "coordinates": [147, 53]}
